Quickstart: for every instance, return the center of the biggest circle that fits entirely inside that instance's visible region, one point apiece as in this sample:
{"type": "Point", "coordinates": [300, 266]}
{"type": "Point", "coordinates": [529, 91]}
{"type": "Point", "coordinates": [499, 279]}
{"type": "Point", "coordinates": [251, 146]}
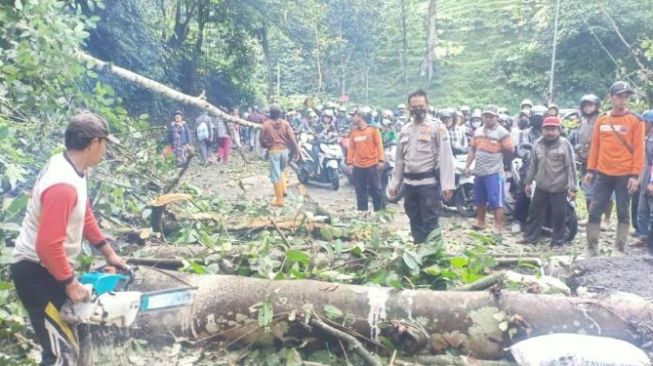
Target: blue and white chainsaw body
{"type": "Point", "coordinates": [112, 305]}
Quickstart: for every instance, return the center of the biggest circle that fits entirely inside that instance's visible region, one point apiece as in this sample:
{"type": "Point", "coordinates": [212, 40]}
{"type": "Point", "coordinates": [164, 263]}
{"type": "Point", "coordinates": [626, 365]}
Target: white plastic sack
{"type": "Point", "coordinates": [577, 350]}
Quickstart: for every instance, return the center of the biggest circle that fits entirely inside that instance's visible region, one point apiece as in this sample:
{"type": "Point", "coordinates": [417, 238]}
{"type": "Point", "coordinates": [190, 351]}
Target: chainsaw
{"type": "Point", "coordinates": [112, 304]}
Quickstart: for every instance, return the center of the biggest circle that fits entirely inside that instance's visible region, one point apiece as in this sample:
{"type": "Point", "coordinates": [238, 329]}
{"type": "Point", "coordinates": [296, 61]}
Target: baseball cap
{"type": "Point", "coordinates": [620, 87]}
{"type": "Point", "coordinates": [551, 121]}
{"type": "Point", "coordinates": [491, 109]}
{"type": "Point", "coordinates": [90, 125]}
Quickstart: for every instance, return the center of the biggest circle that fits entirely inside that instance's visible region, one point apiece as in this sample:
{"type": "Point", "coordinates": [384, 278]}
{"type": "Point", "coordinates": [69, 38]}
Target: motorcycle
{"type": "Point", "coordinates": [390, 153]}
{"type": "Point", "coordinates": [326, 169]}
{"type": "Point", "coordinates": [519, 167]}
{"type": "Point", "coordinates": [463, 197]}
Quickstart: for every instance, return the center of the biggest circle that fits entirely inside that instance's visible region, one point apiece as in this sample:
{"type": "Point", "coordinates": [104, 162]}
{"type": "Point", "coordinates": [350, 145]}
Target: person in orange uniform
{"type": "Point", "coordinates": [365, 154]}
{"type": "Point", "coordinates": [615, 162]}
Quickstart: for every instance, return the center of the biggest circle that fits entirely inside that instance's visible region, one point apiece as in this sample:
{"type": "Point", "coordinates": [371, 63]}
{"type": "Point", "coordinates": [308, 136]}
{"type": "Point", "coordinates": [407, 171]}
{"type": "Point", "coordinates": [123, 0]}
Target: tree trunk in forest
{"type": "Point", "coordinates": [404, 42]}
{"type": "Point", "coordinates": [182, 22]}
{"type": "Point", "coordinates": [480, 324]}
{"type": "Point", "coordinates": [160, 88]}
{"type": "Point", "coordinates": [431, 40]}
{"type": "Point", "coordinates": [190, 62]}
{"type": "Point", "coordinates": [318, 61]}
{"type": "Point", "coordinates": [262, 34]}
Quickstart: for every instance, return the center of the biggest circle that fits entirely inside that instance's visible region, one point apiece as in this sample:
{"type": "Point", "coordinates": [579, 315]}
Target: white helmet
{"type": "Point", "coordinates": [526, 102]}
{"type": "Point", "coordinates": [401, 106]}
{"type": "Point", "coordinates": [328, 113]}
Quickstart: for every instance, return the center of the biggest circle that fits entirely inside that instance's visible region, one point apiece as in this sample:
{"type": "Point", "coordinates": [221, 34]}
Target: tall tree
{"type": "Point", "coordinates": [428, 63]}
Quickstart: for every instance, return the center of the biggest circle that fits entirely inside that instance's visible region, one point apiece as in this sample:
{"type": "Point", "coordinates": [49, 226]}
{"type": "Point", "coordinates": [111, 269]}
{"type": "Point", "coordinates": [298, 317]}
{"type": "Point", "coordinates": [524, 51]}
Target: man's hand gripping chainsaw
{"type": "Point", "coordinates": [113, 305]}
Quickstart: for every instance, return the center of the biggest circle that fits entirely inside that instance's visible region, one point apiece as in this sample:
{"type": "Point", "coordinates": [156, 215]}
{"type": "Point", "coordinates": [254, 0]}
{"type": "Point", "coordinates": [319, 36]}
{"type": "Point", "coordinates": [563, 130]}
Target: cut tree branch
{"type": "Point", "coordinates": [160, 88]}
{"type": "Point", "coordinates": [628, 46]}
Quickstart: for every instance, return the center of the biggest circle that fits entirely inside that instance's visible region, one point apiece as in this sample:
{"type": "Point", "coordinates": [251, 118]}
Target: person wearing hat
{"type": "Point", "coordinates": [179, 138]}
{"type": "Point", "coordinates": [489, 146]}
{"type": "Point", "coordinates": [59, 217]}
{"type": "Point", "coordinates": [616, 159]}
{"type": "Point", "coordinates": [424, 163]}
{"type": "Point", "coordinates": [553, 170]}
{"type": "Point", "coordinates": [365, 156]}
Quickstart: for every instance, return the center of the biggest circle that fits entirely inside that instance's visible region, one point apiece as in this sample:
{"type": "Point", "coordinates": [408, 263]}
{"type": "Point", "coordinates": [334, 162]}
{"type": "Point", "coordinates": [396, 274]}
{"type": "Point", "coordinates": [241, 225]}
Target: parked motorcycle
{"type": "Point", "coordinates": [463, 197]}
{"type": "Point", "coordinates": [326, 169]}
{"type": "Point", "coordinates": [390, 154]}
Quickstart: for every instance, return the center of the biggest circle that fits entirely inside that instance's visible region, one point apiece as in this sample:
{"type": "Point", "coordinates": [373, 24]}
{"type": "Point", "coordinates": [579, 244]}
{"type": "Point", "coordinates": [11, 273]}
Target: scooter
{"type": "Point", "coordinates": [326, 169]}
{"type": "Point", "coordinates": [463, 197]}
{"type": "Point", "coordinates": [390, 154]}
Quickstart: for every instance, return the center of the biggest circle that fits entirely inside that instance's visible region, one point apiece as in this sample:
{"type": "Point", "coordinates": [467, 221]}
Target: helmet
{"type": "Point", "coordinates": [502, 110]}
{"type": "Point", "coordinates": [387, 113]}
{"type": "Point", "coordinates": [328, 113]}
{"type": "Point", "coordinates": [648, 116]}
{"type": "Point", "coordinates": [539, 110]}
{"type": "Point", "coordinates": [401, 106]}
{"type": "Point", "coordinates": [464, 109]}
{"type": "Point", "coordinates": [526, 102]}
{"type": "Point", "coordinates": [590, 98]}
{"type": "Point", "coordinates": [311, 113]}
{"type": "Point", "coordinates": [445, 113]}
{"type": "Point", "coordinates": [553, 106]}
{"type": "Point", "coordinates": [342, 109]}
{"type": "Point", "coordinates": [505, 120]}
{"type": "Point", "coordinates": [476, 113]}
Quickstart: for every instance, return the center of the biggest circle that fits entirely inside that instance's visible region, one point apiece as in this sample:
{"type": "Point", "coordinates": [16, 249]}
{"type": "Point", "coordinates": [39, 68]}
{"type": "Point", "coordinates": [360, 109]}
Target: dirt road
{"type": "Point", "coordinates": [241, 181]}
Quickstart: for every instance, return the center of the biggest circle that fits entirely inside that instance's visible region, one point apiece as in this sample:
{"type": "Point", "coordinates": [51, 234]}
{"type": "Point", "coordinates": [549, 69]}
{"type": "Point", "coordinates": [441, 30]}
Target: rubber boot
{"type": "Point", "coordinates": [593, 231]}
{"type": "Point", "coordinates": [284, 183]}
{"type": "Point", "coordinates": [278, 194]}
{"type": "Point", "coordinates": [620, 241]}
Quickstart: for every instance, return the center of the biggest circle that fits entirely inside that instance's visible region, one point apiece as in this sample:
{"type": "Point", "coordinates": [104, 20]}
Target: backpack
{"type": "Point", "coordinates": [202, 132]}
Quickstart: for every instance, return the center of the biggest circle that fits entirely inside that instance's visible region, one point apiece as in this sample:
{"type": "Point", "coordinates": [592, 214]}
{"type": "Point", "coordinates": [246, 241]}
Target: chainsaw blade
{"type": "Point", "coordinates": [166, 299]}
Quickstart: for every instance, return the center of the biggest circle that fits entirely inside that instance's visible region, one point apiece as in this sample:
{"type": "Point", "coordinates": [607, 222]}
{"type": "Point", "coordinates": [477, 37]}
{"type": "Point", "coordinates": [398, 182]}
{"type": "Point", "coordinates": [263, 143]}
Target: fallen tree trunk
{"type": "Point", "coordinates": [480, 324]}
{"type": "Point", "coordinates": [160, 88]}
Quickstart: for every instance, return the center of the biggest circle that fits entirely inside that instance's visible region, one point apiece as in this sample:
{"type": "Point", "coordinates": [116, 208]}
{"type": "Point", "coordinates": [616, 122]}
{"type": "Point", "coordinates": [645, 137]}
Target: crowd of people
{"type": "Point", "coordinates": [606, 154]}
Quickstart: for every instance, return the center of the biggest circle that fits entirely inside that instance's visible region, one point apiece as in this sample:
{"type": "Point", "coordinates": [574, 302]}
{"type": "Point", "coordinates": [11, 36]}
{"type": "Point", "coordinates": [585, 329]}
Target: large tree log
{"type": "Point", "coordinates": [480, 324]}
{"type": "Point", "coordinates": [160, 88]}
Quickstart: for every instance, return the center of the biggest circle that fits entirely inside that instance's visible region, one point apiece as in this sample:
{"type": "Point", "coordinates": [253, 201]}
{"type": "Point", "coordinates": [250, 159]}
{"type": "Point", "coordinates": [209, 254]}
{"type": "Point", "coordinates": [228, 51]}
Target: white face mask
{"type": "Point", "coordinates": [477, 124]}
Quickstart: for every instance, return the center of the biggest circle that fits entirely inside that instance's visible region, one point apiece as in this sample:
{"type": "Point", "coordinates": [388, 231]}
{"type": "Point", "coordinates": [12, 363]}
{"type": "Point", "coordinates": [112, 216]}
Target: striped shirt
{"type": "Point", "coordinates": [489, 144]}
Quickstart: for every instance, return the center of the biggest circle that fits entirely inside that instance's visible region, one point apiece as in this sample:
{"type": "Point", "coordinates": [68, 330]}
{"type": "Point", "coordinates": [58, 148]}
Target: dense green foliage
{"type": "Point", "coordinates": [256, 51]}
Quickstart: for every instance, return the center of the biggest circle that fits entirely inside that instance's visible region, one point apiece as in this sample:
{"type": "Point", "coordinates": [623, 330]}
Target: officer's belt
{"type": "Point", "coordinates": [420, 176]}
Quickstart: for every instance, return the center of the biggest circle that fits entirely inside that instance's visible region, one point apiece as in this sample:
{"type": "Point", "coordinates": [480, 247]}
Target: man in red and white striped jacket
{"type": "Point", "coordinates": [58, 218]}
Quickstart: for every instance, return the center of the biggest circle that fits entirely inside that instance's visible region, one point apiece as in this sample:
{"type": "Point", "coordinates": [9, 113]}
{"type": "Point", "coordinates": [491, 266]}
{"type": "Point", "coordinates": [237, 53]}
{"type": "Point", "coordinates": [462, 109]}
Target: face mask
{"type": "Point", "coordinates": [418, 113]}
{"type": "Point", "coordinates": [477, 124]}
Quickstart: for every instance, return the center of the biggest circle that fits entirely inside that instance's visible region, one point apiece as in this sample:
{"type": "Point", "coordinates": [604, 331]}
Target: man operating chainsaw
{"type": "Point", "coordinates": [58, 218]}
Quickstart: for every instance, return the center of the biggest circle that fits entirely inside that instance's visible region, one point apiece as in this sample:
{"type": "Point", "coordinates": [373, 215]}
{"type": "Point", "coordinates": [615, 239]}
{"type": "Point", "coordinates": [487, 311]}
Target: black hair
{"type": "Point", "coordinates": [82, 129]}
{"type": "Point", "coordinates": [418, 93]}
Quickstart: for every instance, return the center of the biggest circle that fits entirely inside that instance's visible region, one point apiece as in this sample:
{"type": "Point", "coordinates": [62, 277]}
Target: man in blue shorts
{"type": "Point", "coordinates": [488, 146]}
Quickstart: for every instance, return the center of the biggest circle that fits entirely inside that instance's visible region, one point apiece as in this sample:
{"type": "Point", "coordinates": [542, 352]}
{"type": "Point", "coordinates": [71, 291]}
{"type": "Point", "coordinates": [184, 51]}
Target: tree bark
{"type": "Point", "coordinates": [431, 40]}
{"type": "Point", "coordinates": [160, 88]}
{"type": "Point", "coordinates": [318, 61]}
{"type": "Point", "coordinates": [404, 42]}
{"type": "Point", "coordinates": [262, 34]}
{"type": "Point", "coordinates": [479, 324]}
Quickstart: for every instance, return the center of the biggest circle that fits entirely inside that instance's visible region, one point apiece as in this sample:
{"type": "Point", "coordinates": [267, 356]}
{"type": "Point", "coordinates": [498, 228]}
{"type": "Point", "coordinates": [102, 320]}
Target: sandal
{"type": "Point", "coordinates": [478, 227]}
